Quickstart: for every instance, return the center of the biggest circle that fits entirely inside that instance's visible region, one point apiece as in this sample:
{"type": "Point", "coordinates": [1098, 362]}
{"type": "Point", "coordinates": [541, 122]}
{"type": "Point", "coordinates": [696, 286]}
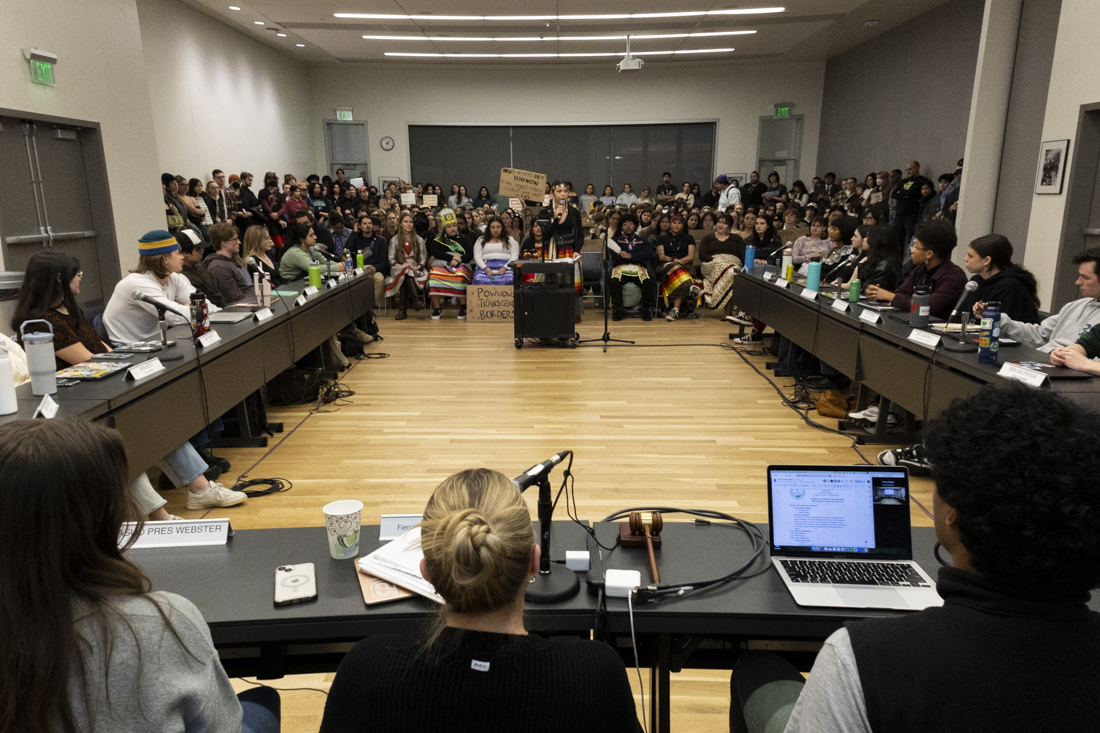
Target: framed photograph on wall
{"type": "Point", "coordinates": [384, 181]}
{"type": "Point", "coordinates": [1052, 166]}
{"type": "Point", "coordinates": [741, 178]}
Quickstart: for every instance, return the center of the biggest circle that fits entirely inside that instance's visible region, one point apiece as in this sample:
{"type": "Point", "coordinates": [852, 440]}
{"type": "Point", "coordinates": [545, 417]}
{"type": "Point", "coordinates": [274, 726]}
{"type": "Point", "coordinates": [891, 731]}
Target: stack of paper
{"type": "Point", "coordinates": [399, 563]}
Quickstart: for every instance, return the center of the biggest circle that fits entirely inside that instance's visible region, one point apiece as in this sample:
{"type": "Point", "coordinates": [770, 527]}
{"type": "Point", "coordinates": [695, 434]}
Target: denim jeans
{"type": "Point", "coordinates": [763, 690]}
{"type": "Point", "coordinates": [183, 465]}
{"type": "Point", "coordinates": [261, 710]}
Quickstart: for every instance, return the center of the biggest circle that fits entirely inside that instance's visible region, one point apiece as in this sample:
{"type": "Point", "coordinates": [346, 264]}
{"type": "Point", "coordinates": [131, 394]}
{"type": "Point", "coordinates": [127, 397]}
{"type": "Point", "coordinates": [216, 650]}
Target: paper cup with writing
{"type": "Point", "coordinates": [342, 522]}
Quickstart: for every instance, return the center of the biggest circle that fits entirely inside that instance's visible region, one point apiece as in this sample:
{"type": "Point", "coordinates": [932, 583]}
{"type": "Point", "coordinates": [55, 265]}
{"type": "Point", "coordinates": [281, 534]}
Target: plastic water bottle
{"type": "Point", "coordinates": [750, 257]}
{"type": "Point", "coordinates": [358, 259]}
{"type": "Point", "coordinates": [315, 275]}
{"type": "Point", "coordinates": [990, 338]}
{"type": "Point", "coordinates": [348, 266]}
{"type": "Point", "coordinates": [813, 276]}
{"type": "Point", "coordinates": [40, 358]}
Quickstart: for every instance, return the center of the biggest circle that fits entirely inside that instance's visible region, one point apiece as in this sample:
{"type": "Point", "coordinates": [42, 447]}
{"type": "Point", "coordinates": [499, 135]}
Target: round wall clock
{"type": "Point", "coordinates": [387, 143]}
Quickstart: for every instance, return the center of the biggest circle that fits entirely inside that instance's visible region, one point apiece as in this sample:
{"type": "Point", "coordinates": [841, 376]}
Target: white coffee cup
{"type": "Point", "coordinates": [342, 520]}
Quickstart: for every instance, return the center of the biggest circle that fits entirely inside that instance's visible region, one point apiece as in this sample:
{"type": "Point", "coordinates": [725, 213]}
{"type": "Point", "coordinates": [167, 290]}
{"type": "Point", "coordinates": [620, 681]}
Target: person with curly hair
{"type": "Point", "coordinates": [1014, 646]}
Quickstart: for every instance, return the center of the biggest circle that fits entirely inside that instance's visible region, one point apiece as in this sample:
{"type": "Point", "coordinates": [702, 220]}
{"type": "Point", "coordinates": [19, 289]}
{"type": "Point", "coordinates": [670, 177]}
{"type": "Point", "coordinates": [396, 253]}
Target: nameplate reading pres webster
{"type": "Point", "coordinates": [310, 290]}
{"type": "Point", "coordinates": [395, 525]}
{"type": "Point", "coordinates": [840, 305]}
{"type": "Point", "coordinates": [870, 316]}
{"type": "Point", "coordinates": [47, 408]}
{"type": "Point", "coordinates": [208, 339]}
{"type": "Point", "coordinates": [924, 338]}
{"type": "Point", "coordinates": [808, 294]}
{"type": "Point", "coordinates": [1030, 377]}
{"type": "Point", "coordinates": [184, 533]}
{"type": "Point", "coordinates": [145, 369]}
{"type": "Point", "coordinates": [783, 283]}
{"type": "Point", "coordinates": [263, 314]}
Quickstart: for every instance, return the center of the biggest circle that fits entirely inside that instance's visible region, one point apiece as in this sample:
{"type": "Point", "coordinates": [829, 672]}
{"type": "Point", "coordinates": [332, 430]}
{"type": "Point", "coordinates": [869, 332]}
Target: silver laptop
{"type": "Point", "coordinates": [840, 537]}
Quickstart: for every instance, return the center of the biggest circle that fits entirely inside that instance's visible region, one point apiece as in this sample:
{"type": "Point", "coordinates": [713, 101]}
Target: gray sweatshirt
{"type": "Point", "coordinates": [1061, 329]}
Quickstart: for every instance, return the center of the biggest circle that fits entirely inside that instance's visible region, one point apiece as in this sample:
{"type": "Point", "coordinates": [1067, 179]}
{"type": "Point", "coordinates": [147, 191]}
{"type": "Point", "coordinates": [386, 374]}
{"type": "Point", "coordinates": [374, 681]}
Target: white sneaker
{"type": "Point", "coordinates": [672, 314]}
{"type": "Point", "coordinates": [214, 495]}
{"type": "Point", "coordinates": [870, 414]}
{"type": "Point", "coordinates": [742, 318]}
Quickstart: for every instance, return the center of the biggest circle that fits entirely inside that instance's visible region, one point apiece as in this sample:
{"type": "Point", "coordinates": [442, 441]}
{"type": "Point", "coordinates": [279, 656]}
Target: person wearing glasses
{"type": "Point", "coordinates": [234, 282]}
{"type": "Point", "coordinates": [932, 266]}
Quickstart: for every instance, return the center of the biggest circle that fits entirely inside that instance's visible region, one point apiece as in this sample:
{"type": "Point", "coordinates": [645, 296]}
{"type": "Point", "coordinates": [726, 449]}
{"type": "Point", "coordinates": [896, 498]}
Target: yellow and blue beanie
{"type": "Point", "coordinates": [157, 242]}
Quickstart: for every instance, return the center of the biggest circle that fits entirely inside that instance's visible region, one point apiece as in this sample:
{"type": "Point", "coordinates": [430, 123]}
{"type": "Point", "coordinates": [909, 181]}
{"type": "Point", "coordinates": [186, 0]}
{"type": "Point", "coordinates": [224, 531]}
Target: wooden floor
{"type": "Point", "coordinates": [676, 420]}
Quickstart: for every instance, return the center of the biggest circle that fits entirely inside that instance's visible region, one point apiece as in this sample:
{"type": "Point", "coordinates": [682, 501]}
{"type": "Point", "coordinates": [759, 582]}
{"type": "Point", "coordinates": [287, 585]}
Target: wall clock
{"type": "Point", "coordinates": [387, 143]}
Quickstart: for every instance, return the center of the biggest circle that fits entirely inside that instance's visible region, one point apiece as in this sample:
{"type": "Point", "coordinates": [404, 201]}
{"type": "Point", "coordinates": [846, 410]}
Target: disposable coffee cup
{"type": "Point", "coordinates": [342, 520]}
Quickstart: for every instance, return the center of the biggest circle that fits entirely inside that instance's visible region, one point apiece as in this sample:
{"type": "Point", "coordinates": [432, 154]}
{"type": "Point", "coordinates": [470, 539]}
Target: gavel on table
{"type": "Point", "coordinates": [648, 524]}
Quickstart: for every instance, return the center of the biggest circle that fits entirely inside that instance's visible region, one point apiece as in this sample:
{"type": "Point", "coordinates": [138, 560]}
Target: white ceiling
{"type": "Point", "coordinates": [806, 29]}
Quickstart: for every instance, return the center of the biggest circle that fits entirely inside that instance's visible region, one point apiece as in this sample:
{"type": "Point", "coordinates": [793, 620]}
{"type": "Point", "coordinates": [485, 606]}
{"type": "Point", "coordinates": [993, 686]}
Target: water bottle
{"type": "Point", "coordinates": [813, 275]}
{"type": "Point", "coordinates": [990, 337]}
{"type": "Point", "coordinates": [265, 299]}
{"type": "Point", "coordinates": [919, 306]}
{"type": "Point", "coordinates": [40, 358]}
{"type": "Point", "coordinates": [8, 403]}
{"type": "Point", "coordinates": [853, 291]}
{"type": "Point", "coordinates": [358, 259]}
{"type": "Point", "coordinates": [750, 257]}
{"type": "Point", "coordinates": [788, 266]}
{"type": "Point", "coordinates": [200, 315]}
{"type": "Point", "coordinates": [315, 274]}
{"type": "Point", "coordinates": [256, 284]}
{"type": "Point", "coordinates": [348, 266]}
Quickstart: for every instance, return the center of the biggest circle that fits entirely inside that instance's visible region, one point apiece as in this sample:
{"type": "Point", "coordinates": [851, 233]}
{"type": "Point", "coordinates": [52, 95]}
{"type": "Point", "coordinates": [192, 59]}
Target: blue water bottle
{"type": "Point", "coordinates": [989, 340]}
{"type": "Point", "coordinates": [813, 276]}
{"type": "Point", "coordinates": [750, 257]}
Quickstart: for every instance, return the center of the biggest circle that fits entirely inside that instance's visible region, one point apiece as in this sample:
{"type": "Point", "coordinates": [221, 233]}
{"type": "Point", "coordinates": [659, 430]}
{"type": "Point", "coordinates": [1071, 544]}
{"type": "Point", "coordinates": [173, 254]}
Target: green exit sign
{"type": "Point", "coordinates": [782, 111]}
{"type": "Point", "coordinates": [42, 72]}
{"type": "Point", "coordinates": [343, 115]}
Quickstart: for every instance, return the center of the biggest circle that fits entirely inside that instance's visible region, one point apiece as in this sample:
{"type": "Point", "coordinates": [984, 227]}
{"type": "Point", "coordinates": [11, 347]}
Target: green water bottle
{"type": "Point", "coordinates": [359, 259]}
{"type": "Point", "coordinates": [853, 291]}
{"type": "Point", "coordinates": [315, 275]}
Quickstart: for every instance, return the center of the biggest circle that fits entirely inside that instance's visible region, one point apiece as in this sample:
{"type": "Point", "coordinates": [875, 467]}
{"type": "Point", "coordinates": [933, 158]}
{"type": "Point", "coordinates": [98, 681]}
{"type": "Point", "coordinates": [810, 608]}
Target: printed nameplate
{"type": "Point", "coordinates": [870, 316]}
{"type": "Point", "coordinates": [783, 283]}
{"type": "Point", "coordinates": [310, 290]}
{"type": "Point", "coordinates": [358, 271]}
{"type": "Point", "coordinates": [185, 533]}
{"type": "Point", "coordinates": [145, 369]}
{"type": "Point", "coordinates": [1030, 377]}
{"type": "Point", "coordinates": [769, 276]}
{"type": "Point", "coordinates": [47, 408]}
{"type": "Point", "coordinates": [301, 300]}
{"type": "Point", "coordinates": [331, 283]}
{"type": "Point", "coordinates": [263, 314]}
{"type": "Point", "coordinates": [924, 338]}
{"type": "Point", "coordinates": [210, 338]}
{"type": "Point", "coordinates": [396, 525]}
{"type": "Point", "coordinates": [808, 294]}
{"type": "Point", "coordinates": [840, 305]}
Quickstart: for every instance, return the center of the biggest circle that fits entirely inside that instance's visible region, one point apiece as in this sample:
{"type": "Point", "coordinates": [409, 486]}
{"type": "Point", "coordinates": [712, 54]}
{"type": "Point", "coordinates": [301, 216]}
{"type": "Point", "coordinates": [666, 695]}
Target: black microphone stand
{"type": "Point", "coordinates": [606, 338]}
{"type": "Point", "coordinates": [161, 310]}
{"type": "Point", "coordinates": [552, 583]}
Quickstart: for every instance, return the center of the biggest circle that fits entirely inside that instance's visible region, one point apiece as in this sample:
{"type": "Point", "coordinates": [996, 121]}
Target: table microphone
{"type": "Point", "coordinates": [531, 475]}
{"type": "Point", "coordinates": [851, 260]}
{"type": "Point", "coordinates": [162, 307]}
{"type": "Point", "coordinates": [969, 288]}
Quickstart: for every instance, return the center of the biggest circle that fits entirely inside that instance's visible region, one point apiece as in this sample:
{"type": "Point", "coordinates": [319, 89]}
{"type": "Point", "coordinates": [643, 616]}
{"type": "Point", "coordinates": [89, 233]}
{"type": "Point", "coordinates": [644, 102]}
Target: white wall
{"type": "Point", "coordinates": [101, 78]}
{"type": "Point", "coordinates": [221, 99]}
{"type": "Point", "coordinates": [737, 94]}
{"type": "Point", "coordinates": [1073, 82]}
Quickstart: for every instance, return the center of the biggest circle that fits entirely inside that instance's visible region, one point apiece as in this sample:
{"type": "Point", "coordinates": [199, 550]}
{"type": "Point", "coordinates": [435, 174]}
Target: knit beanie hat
{"type": "Point", "coordinates": [157, 242]}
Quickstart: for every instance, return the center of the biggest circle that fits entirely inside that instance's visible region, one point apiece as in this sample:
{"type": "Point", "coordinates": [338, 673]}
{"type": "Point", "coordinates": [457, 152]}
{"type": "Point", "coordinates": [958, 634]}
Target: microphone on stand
{"type": "Point", "coordinates": [851, 260]}
{"type": "Point", "coordinates": [531, 475]}
{"type": "Point", "coordinates": [959, 344]}
{"type": "Point", "coordinates": [969, 288]}
{"type": "Point", "coordinates": [162, 308]}
{"type": "Point", "coordinates": [553, 582]}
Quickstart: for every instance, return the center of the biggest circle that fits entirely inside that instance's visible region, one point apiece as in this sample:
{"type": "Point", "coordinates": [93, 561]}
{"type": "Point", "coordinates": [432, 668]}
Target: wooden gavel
{"type": "Point", "coordinates": [649, 524]}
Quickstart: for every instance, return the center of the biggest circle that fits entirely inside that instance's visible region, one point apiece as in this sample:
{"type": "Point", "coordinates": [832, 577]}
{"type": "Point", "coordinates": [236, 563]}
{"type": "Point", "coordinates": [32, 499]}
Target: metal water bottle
{"type": "Point", "coordinates": [315, 274]}
{"type": "Point", "coordinates": [265, 300]}
{"type": "Point", "coordinates": [750, 257]}
{"type": "Point", "coordinates": [919, 306]}
{"type": "Point", "coordinates": [813, 275]}
{"type": "Point", "coordinates": [200, 315]}
{"type": "Point", "coordinates": [40, 358]}
{"type": "Point", "coordinates": [990, 338]}
{"type": "Point", "coordinates": [8, 403]}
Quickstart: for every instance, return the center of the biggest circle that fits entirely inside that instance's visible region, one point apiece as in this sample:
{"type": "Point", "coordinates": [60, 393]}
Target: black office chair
{"type": "Point", "coordinates": [592, 275]}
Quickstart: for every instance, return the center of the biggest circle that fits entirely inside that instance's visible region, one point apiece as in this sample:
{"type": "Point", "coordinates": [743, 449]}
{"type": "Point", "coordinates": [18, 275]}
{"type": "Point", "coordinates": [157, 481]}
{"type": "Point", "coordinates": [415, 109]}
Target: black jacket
{"type": "Point", "coordinates": [907, 195]}
{"type": "Point", "coordinates": [375, 249]}
{"type": "Point", "coordinates": [1013, 288]}
{"type": "Point", "coordinates": [201, 279]}
{"type": "Point", "coordinates": [641, 251]}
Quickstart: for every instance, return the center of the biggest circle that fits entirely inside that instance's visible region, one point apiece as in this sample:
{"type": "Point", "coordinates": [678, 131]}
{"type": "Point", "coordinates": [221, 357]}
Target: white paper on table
{"type": "Point", "coordinates": [399, 563]}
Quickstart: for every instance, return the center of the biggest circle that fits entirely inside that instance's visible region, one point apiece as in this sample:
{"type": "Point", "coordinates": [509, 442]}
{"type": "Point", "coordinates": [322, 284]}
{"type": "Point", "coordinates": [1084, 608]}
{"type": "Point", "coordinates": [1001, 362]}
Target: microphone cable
{"type": "Point", "coordinates": [637, 664]}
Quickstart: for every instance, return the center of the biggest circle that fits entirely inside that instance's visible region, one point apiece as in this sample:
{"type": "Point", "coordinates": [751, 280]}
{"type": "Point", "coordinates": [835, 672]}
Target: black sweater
{"type": "Point", "coordinates": [985, 661]}
{"type": "Point", "coordinates": [489, 682]}
{"type": "Point", "coordinates": [1013, 288]}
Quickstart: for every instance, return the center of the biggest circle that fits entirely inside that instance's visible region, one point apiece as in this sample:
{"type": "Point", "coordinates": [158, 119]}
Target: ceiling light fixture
{"type": "Point", "coordinates": [281, 35]}
{"type": "Point", "coordinates": [532, 18]}
{"type": "Point", "coordinates": [486, 39]}
{"type": "Point", "coordinates": [300, 45]}
{"type": "Point", "coordinates": [258, 22]}
{"type": "Point", "coordinates": [233, 7]}
{"type": "Point", "coordinates": [603, 54]}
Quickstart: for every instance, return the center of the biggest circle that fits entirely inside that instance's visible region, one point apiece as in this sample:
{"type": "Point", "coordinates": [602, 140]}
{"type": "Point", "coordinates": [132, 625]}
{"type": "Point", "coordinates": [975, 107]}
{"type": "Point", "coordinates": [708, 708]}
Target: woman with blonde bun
{"type": "Point", "coordinates": [477, 669]}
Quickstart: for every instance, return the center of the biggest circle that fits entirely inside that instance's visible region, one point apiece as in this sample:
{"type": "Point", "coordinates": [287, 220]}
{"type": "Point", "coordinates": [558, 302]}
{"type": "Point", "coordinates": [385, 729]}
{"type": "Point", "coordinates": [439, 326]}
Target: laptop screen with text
{"type": "Point", "coordinates": [840, 511]}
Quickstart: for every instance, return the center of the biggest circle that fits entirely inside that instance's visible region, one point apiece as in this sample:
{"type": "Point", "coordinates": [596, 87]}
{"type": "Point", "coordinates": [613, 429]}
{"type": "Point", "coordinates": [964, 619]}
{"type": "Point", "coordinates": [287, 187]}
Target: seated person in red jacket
{"type": "Point", "coordinates": [931, 254]}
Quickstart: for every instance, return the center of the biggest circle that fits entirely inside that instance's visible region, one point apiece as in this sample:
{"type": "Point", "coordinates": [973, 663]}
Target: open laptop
{"type": "Point", "coordinates": [840, 536]}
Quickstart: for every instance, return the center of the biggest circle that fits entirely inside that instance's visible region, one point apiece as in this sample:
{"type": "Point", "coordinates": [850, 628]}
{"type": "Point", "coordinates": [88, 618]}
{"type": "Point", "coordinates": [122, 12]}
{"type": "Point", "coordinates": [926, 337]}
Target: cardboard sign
{"type": "Point", "coordinates": [185, 533]}
{"type": "Point", "coordinates": [526, 185]}
{"type": "Point", "coordinates": [357, 182]}
{"type": "Point", "coordinates": [515, 204]}
{"type": "Point", "coordinates": [490, 304]}
{"type": "Point", "coordinates": [408, 199]}
{"type": "Point", "coordinates": [430, 200]}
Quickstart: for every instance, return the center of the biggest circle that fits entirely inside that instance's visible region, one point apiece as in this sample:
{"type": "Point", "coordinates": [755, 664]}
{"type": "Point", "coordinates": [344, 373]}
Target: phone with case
{"type": "Point", "coordinates": [295, 584]}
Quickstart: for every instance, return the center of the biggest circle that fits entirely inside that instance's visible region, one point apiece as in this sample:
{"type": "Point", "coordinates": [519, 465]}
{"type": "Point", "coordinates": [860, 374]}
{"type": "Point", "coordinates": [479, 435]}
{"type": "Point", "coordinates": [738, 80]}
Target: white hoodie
{"type": "Point", "coordinates": [1061, 329]}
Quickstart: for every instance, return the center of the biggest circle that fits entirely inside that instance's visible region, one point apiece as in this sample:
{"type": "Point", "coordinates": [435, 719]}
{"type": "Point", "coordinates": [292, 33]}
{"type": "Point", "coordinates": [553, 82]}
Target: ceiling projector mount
{"type": "Point", "coordinates": [629, 63]}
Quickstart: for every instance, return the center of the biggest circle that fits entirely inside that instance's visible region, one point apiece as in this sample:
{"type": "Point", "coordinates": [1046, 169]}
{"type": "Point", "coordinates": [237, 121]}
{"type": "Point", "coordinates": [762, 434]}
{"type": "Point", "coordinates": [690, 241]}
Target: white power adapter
{"type": "Point", "coordinates": [619, 583]}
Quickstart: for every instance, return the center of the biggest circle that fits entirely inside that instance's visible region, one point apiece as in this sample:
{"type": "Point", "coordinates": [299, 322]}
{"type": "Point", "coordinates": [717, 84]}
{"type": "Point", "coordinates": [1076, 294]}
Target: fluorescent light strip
{"type": "Point", "coordinates": [486, 39]}
{"type": "Point", "coordinates": [521, 18]}
{"type": "Point", "coordinates": [549, 55]}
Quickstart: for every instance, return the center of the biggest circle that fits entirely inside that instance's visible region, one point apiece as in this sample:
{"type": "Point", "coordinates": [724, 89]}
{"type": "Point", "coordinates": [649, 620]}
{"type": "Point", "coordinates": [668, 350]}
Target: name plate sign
{"type": "Point", "coordinates": [263, 314]}
{"type": "Point", "coordinates": [1030, 377]}
{"type": "Point", "coordinates": [396, 525]}
{"type": "Point", "coordinates": [185, 533]}
{"type": "Point", "coordinates": [924, 338]}
{"type": "Point", "coordinates": [808, 294]}
{"type": "Point", "coordinates": [301, 300]}
{"type": "Point", "coordinates": [310, 290]}
{"type": "Point", "coordinates": [145, 369]}
{"type": "Point", "coordinates": [208, 339]}
{"type": "Point", "coordinates": [331, 283]}
{"type": "Point", "coordinates": [783, 283]}
{"type": "Point", "coordinates": [358, 271]}
{"type": "Point", "coordinates": [47, 408]}
{"type": "Point", "coordinates": [769, 276]}
{"type": "Point", "coordinates": [841, 306]}
{"type": "Point", "coordinates": [870, 316]}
